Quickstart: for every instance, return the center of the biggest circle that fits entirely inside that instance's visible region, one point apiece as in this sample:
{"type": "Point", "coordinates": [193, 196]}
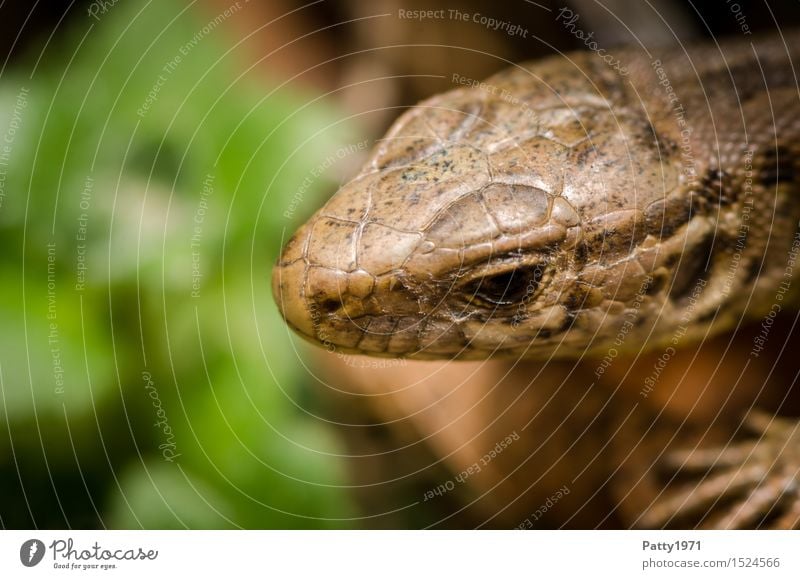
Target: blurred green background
{"type": "Point", "coordinates": [146, 379]}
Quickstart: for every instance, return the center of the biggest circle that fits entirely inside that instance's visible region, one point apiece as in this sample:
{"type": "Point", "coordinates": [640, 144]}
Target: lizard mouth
{"type": "Point", "coordinates": [469, 319]}
{"type": "Point", "coordinates": [386, 335]}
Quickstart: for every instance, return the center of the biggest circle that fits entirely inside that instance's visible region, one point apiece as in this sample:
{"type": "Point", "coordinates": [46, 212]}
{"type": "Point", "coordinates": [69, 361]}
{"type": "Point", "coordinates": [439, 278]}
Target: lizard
{"type": "Point", "coordinates": [565, 208]}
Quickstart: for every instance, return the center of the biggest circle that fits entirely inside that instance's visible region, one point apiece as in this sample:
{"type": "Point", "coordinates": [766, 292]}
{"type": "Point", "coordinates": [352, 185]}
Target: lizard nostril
{"type": "Point", "coordinates": [330, 305]}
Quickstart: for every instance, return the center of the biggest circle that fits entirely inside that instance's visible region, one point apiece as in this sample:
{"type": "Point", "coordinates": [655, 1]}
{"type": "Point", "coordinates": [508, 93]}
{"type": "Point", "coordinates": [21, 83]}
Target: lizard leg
{"type": "Point", "coordinates": [752, 483]}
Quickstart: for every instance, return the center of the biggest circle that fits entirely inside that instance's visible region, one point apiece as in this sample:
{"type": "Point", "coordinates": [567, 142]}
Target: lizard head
{"type": "Point", "coordinates": [481, 227]}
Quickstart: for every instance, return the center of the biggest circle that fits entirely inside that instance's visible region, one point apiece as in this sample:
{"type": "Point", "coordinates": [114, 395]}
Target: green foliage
{"type": "Point", "coordinates": [138, 232]}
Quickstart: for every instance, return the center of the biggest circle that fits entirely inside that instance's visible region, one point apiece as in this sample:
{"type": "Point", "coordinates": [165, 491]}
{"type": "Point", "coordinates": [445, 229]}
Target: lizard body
{"type": "Point", "coordinates": [563, 209]}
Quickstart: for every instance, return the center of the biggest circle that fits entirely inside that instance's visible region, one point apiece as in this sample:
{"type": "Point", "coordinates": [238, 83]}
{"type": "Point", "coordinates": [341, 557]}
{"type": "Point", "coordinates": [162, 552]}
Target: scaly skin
{"type": "Point", "coordinates": [564, 210]}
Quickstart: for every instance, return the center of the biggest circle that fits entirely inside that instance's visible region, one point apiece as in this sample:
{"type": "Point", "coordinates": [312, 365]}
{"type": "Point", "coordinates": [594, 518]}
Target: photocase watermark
{"type": "Point", "coordinates": [322, 335]}
{"type": "Point", "coordinates": [197, 233]}
{"type": "Point", "coordinates": [543, 508]}
{"type": "Point", "coordinates": [421, 15]}
{"type": "Point", "coordinates": [766, 327]}
{"type": "Point", "coordinates": [688, 163]}
{"type": "Point", "coordinates": [81, 236]}
{"type": "Point", "coordinates": [210, 26]}
{"type": "Point", "coordinates": [503, 93]}
{"type": "Point", "coordinates": [14, 125]}
{"type": "Point", "coordinates": [167, 447]}
{"type": "Point", "coordinates": [747, 205]}
{"type": "Point", "coordinates": [489, 23]}
{"type": "Point", "coordinates": [53, 339]}
{"type": "Point", "coordinates": [315, 173]}
{"type": "Point", "coordinates": [371, 363]}
{"type": "Point", "coordinates": [152, 96]}
{"type": "Point", "coordinates": [521, 314]}
{"type": "Point", "coordinates": [494, 24]}
{"type": "Point", "coordinates": [670, 351]}
{"type": "Point", "coordinates": [172, 65]}
{"type": "Point", "coordinates": [741, 19]}
{"type": "Point", "coordinates": [569, 19]}
{"type": "Point", "coordinates": [473, 469]}
{"type": "Point", "coordinates": [31, 552]}
{"type": "Point", "coordinates": [783, 288]}
{"type": "Point", "coordinates": [630, 318]}
{"type": "Point", "coordinates": [477, 84]}
{"type": "Point", "coordinates": [66, 555]}
{"type": "Point", "coordinates": [100, 8]}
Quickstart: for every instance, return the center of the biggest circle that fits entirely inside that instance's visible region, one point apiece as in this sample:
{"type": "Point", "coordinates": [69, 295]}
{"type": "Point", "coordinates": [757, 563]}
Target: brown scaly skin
{"type": "Point", "coordinates": [757, 475]}
{"type": "Point", "coordinates": [567, 210]}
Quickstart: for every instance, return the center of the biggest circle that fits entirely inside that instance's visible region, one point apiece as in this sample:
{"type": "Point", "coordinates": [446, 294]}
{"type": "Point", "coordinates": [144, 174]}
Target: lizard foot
{"type": "Point", "coordinates": [752, 484]}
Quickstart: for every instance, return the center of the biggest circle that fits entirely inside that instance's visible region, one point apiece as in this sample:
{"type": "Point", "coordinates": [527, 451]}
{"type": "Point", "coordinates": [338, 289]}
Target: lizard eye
{"type": "Point", "coordinates": [507, 288]}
